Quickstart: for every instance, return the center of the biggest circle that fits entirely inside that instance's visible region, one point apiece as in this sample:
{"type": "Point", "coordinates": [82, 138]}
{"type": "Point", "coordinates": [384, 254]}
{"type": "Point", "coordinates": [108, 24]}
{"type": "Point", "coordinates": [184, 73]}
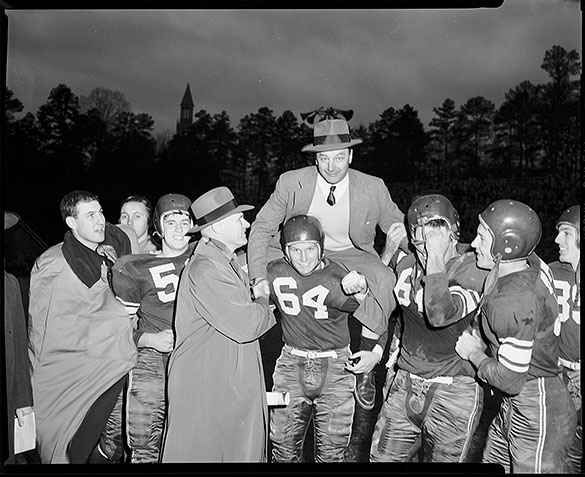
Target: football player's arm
{"type": "Point", "coordinates": [507, 371]}
{"type": "Point", "coordinates": [127, 292]}
{"type": "Point", "coordinates": [444, 304]}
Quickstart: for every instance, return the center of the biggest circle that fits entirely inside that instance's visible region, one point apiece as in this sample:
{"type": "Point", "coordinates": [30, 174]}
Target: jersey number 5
{"type": "Point", "coordinates": [289, 302]}
{"type": "Point", "coordinates": [163, 281]}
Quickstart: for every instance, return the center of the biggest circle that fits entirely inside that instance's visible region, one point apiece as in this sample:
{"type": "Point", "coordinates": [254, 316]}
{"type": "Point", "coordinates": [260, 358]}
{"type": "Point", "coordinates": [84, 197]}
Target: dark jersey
{"type": "Point", "coordinates": [518, 318]}
{"type": "Point", "coordinates": [435, 311]}
{"type": "Point", "coordinates": [569, 320]}
{"type": "Point", "coordinates": [147, 284]}
{"type": "Point", "coordinates": [314, 309]}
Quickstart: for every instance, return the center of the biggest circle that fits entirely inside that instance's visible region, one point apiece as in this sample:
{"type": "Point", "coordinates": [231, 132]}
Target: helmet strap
{"type": "Point", "coordinates": [492, 276]}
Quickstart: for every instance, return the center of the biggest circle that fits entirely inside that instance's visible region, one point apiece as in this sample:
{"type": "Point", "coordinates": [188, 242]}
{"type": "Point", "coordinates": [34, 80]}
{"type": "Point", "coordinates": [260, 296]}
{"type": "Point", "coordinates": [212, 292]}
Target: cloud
{"type": "Point", "coordinates": [241, 60]}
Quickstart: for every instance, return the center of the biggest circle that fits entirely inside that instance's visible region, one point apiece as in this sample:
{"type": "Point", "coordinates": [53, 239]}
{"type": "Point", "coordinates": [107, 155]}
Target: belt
{"type": "Point", "coordinates": [438, 379]}
{"type": "Point", "coordinates": [573, 365]}
{"type": "Point", "coordinates": [311, 354]}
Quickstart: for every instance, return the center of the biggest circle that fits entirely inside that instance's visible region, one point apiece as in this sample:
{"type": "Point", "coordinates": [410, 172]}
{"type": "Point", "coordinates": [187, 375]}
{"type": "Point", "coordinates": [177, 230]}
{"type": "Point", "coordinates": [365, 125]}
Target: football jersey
{"type": "Point", "coordinates": [569, 321]}
{"type": "Point", "coordinates": [147, 284]}
{"type": "Point", "coordinates": [425, 350]}
{"type": "Point", "coordinates": [518, 318]}
{"type": "Point", "coordinates": [314, 309]}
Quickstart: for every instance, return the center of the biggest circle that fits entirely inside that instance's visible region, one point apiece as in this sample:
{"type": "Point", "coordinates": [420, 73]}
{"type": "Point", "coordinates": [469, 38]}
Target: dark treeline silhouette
{"type": "Point", "coordinates": [527, 149]}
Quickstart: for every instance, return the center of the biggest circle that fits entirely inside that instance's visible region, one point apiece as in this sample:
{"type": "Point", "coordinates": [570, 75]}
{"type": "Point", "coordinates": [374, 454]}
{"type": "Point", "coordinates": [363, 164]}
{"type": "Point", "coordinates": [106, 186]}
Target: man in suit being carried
{"type": "Point", "coordinates": [349, 204]}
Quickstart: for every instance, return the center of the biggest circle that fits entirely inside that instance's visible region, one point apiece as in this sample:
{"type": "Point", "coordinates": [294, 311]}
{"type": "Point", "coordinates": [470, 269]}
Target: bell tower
{"type": "Point", "coordinates": [186, 118]}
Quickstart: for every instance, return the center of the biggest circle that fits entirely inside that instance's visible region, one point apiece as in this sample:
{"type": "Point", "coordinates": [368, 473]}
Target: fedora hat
{"type": "Point", "coordinates": [329, 135]}
{"type": "Point", "coordinates": [213, 206]}
{"type": "Point", "coordinates": [10, 220]}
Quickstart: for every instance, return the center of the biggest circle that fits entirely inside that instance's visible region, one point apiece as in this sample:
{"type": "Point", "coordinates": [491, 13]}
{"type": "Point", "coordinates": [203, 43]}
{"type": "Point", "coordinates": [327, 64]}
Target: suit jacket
{"type": "Point", "coordinates": [370, 205]}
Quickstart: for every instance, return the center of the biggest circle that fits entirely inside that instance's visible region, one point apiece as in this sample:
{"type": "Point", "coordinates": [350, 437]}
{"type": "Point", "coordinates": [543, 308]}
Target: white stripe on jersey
{"type": "Point", "coordinates": [131, 307]}
{"type": "Point", "coordinates": [469, 298]}
{"type": "Point", "coordinates": [546, 276]}
{"type": "Point", "coordinates": [515, 354]}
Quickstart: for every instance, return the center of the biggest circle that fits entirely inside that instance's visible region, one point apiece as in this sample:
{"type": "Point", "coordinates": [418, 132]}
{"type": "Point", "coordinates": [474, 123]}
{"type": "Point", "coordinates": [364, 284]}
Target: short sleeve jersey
{"type": "Point", "coordinates": [314, 309]}
{"type": "Point", "coordinates": [149, 282]}
{"type": "Point", "coordinates": [569, 320]}
{"type": "Point", "coordinates": [430, 351]}
{"type": "Point", "coordinates": [518, 318]}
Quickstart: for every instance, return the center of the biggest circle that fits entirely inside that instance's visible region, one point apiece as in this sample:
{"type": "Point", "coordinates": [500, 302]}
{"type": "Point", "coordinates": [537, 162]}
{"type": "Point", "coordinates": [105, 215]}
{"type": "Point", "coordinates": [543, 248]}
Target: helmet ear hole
{"type": "Point", "coordinates": [515, 228]}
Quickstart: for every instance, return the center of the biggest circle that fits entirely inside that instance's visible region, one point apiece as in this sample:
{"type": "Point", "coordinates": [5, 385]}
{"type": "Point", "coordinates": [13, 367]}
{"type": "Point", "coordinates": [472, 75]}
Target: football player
{"type": "Point", "coordinates": [566, 272]}
{"type": "Point", "coordinates": [433, 403]}
{"type": "Point", "coordinates": [315, 296]}
{"type": "Point", "coordinates": [536, 421]}
{"type": "Point", "coordinates": [147, 284]}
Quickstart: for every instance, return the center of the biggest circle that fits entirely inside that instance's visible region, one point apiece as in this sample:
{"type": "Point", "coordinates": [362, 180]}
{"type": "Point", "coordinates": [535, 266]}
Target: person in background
{"type": "Point", "coordinates": [349, 205]}
{"type": "Point", "coordinates": [135, 211]}
{"type": "Point", "coordinates": [80, 337]}
{"type": "Point", "coordinates": [146, 284]}
{"type": "Point", "coordinates": [566, 272]}
{"type": "Point", "coordinates": [217, 404]}
{"type": "Point", "coordinates": [314, 297]}
{"type": "Point", "coordinates": [19, 396]}
{"type": "Point", "coordinates": [536, 421]}
{"type": "Point", "coordinates": [433, 404]}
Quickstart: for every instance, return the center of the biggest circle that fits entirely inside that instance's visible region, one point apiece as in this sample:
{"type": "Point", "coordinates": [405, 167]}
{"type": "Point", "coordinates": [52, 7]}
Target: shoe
{"type": "Point", "coordinates": [365, 390]}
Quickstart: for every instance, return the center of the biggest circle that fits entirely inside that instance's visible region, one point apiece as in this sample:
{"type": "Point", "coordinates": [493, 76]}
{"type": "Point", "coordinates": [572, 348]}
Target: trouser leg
{"type": "Point", "coordinates": [146, 406]}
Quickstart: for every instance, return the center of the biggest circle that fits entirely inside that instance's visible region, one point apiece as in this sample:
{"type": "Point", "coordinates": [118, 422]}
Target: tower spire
{"type": "Point", "coordinates": [186, 115]}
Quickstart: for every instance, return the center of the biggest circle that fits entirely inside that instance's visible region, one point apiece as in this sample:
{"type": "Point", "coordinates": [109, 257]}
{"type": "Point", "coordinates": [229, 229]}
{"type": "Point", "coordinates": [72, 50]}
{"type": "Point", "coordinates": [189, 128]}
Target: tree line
{"type": "Point", "coordinates": [475, 152]}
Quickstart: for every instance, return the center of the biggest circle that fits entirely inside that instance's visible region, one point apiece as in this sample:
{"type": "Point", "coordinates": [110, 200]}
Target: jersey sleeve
{"type": "Point", "coordinates": [125, 285]}
{"type": "Point", "coordinates": [447, 304]}
{"type": "Point", "coordinates": [515, 318]}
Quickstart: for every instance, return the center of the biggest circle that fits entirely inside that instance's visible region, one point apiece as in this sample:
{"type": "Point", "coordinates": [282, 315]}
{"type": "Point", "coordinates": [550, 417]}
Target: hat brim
{"type": "Point", "coordinates": [331, 147]}
{"type": "Point", "coordinates": [239, 208]}
{"type": "Point", "coordinates": [10, 220]}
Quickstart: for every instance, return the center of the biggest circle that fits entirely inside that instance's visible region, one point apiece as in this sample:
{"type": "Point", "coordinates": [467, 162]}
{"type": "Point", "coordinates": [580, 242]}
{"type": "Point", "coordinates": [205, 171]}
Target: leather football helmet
{"type": "Point", "coordinates": [515, 228]}
{"type": "Point", "coordinates": [572, 217]}
{"type": "Point", "coordinates": [166, 204]}
{"type": "Point", "coordinates": [427, 207]}
{"type": "Point", "coordinates": [302, 228]}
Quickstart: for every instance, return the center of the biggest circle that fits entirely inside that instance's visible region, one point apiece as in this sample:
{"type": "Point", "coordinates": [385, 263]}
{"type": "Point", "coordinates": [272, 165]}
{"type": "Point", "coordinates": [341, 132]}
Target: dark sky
{"type": "Point", "coordinates": [241, 60]}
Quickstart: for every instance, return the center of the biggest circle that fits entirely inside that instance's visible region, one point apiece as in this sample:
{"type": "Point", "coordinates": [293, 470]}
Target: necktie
{"type": "Point", "coordinates": [331, 197]}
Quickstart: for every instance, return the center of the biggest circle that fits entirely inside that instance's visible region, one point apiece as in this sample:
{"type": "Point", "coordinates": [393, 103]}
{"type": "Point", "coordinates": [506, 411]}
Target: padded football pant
{"type": "Point", "coordinates": [320, 389]}
{"type": "Point", "coordinates": [533, 430]}
{"type": "Point", "coordinates": [573, 462]}
{"type": "Point", "coordinates": [111, 443]}
{"type": "Point", "coordinates": [146, 406]}
{"type": "Point", "coordinates": [418, 414]}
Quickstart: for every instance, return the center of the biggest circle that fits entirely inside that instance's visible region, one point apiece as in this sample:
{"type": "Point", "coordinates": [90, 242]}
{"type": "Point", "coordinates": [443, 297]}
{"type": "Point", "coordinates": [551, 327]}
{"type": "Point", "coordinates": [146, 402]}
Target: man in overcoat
{"type": "Point", "coordinates": [217, 409]}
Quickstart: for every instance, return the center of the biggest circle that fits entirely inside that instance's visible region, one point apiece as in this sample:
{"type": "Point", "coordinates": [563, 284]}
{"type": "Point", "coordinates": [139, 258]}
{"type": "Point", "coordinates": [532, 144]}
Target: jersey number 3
{"type": "Point", "coordinates": [289, 302]}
